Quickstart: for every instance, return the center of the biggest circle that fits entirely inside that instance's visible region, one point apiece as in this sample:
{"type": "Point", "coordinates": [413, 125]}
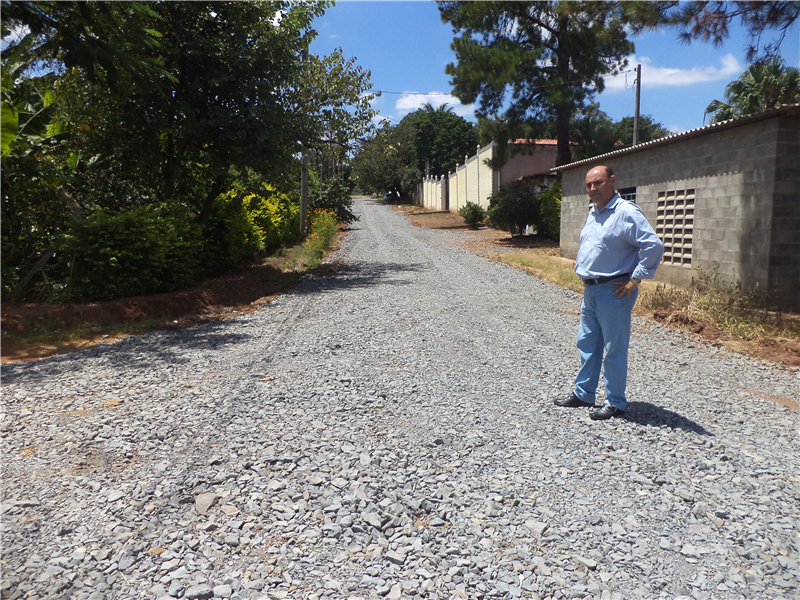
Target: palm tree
{"type": "Point", "coordinates": [443, 108]}
{"type": "Point", "coordinates": [761, 86]}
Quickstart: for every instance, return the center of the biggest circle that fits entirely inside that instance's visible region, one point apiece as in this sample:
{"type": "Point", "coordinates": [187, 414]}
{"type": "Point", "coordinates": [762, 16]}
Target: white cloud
{"type": "Point", "coordinates": [655, 77]}
{"type": "Point", "coordinates": [411, 101]}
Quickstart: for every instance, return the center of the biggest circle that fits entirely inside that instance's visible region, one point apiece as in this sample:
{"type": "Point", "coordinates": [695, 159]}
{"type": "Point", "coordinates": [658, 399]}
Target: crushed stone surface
{"type": "Point", "coordinates": [388, 431]}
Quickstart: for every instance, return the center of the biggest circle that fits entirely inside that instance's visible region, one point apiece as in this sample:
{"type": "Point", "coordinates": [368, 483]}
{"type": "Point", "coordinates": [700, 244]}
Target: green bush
{"type": "Point", "coordinates": [144, 250]}
{"type": "Point", "coordinates": [550, 201]}
{"type": "Point", "coordinates": [473, 214]}
{"type": "Point", "coordinates": [521, 204]}
{"type": "Point", "coordinates": [514, 207]}
{"type": "Point", "coordinates": [323, 229]}
{"type": "Point", "coordinates": [276, 215]}
{"type": "Point", "coordinates": [332, 195]}
{"type": "Point", "coordinates": [230, 236]}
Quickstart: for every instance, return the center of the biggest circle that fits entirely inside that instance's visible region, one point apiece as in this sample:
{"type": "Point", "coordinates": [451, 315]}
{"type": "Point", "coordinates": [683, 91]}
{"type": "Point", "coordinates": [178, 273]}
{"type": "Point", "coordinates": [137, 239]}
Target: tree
{"type": "Point", "coordinates": [331, 99]}
{"type": "Point", "coordinates": [648, 130]}
{"type": "Point", "coordinates": [443, 138]}
{"type": "Point", "coordinates": [394, 159]}
{"type": "Point", "coordinates": [228, 104]}
{"type": "Point", "coordinates": [541, 59]}
{"type": "Point", "coordinates": [515, 206]}
{"type": "Point", "coordinates": [33, 213]}
{"type": "Point", "coordinates": [593, 131]}
{"type": "Point", "coordinates": [710, 21]}
{"type": "Point", "coordinates": [382, 160]}
{"type": "Point", "coordinates": [761, 86]}
{"type": "Point", "coordinates": [102, 39]}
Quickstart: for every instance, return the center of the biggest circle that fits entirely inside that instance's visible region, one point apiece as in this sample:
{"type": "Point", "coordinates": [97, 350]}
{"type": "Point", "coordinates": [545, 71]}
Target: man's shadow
{"type": "Point", "coordinates": [645, 413]}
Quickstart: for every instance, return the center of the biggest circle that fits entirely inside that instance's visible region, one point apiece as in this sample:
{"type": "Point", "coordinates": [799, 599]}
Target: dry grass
{"type": "Point", "coordinates": [718, 311]}
{"type": "Point", "coordinates": [553, 269]}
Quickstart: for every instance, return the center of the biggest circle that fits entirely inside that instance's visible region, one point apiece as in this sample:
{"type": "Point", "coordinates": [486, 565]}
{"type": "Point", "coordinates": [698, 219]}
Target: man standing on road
{"type": "Point", "coordinates": [618, 249]}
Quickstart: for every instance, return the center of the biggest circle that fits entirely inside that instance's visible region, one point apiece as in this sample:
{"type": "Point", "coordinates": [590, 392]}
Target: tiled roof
{"type": "Point", "coordinates": [789, 109]}
{"type": "Point", "coordinates": [537, 142]}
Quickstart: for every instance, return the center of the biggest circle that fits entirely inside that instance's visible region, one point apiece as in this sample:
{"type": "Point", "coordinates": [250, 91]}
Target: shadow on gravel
{"type": "Point", "coordinates": [360, 276]}
{"type": "Point", "coordinates": [136, 352]}
{"type": "Point", "coordinates": [645, 413]}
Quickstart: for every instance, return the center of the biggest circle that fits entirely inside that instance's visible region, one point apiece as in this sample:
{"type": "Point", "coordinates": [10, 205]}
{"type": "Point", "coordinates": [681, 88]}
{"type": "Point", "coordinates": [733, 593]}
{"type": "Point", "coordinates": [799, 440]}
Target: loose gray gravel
{"type": "Point", "coordinates": [388, 431]}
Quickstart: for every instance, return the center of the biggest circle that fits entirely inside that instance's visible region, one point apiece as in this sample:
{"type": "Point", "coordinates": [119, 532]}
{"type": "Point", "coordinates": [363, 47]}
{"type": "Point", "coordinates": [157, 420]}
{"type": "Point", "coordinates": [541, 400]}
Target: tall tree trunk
{"type": "Point", "coordinates": [216, 189]}
{"type": "Point", "coordinates": [168, 164]}
{"type": "Point", "coordinates": [562, 138]}
{"type": "Point", "coordinates": [563, 107]}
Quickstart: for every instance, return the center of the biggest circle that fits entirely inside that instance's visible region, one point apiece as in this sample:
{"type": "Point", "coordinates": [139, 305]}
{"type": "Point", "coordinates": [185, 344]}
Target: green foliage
{"type": "Point", "coordinates": [230, 235]}
{"type": "Point", "coordinates": [648, 130]}
{"type": "Point", "coordinates": [103, 39]}
{"type": "Point", "coordinates": [412, 177]}
{"type": "Point", "coordinates": [332, 195]}
{"type": "Point", "coordinates": [394, 159]}
{"type": "Point", "coordinates": [443, 138]}
{"type": "Point", "coordinates": [535, 60]}
{"type": "Point", "coordinates": [330, 100]}
{"type": "Point", "coordinates": [380, 164]}
{"type": "Point", "coordinates": [595, 133]}
{"type": "Point", "coordinates": [140, 251]}
{"type": "Point", "coordinates": [275, 215]}
{"type": "Point", "coordinates": [549, 224]}
{"type": "Point", "coordinates": [169, 104]}
{"type": "Point", "coordinates": [762, 86]}
{"type": "Point", "coordinates": [521, 204]}
{"type": "Point", "coordinates": [709, 21]}
{"type": "Point", "coordinates": [473, 214]}
{"type": "Point", "coordinates": [322, 233]}
{"type": "Point", "coordinates": [34, 217]}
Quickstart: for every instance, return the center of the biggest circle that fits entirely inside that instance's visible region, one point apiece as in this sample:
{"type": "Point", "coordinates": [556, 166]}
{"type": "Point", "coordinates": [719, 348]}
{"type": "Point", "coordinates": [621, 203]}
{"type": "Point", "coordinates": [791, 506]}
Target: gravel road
{"type": "Point", "coordinates": [388, 431]}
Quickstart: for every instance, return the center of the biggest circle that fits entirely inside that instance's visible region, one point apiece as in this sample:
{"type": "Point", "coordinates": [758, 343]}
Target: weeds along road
{"type": "Point", "coordinates": [388, 430]}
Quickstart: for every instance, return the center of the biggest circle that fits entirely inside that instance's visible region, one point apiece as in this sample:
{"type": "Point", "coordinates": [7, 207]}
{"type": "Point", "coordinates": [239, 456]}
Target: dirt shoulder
{"type": "Point", "coordinates": [31, 331]}
{"type": "Point", "coordinates": [494, 244]}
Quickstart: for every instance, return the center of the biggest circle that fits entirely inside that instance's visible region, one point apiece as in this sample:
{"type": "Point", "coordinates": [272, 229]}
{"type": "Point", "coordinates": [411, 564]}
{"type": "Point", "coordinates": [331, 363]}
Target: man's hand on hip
{"type": "Point", "coordinates": [625, 288]}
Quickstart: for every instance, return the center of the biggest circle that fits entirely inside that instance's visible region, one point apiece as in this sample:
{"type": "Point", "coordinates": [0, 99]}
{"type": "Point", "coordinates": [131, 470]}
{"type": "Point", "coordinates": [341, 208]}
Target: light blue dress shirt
{"type": "Point", "coordinates": [617, 240]}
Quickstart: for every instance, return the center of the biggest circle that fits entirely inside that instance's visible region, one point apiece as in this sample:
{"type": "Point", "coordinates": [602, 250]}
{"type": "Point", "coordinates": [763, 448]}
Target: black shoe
{"type": "Point", "coordinates": [573, 401]}
{"type": "Point", "coordinates": [605, 412]}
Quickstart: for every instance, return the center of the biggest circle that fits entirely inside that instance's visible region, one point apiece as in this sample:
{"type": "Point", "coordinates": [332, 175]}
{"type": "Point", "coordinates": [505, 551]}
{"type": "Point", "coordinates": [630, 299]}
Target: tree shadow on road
{"type": "Point", "coordinates": [138, 353]}
{"type": "Point", "coordinates": [645, 413]}
{"type": "Point", "coordinates": [345, 276]}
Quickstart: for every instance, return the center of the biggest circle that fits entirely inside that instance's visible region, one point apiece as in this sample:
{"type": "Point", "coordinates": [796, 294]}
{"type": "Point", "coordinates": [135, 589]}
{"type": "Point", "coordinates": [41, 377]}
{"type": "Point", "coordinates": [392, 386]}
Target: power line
{"type": "Point", "coordinates": [540, 86]}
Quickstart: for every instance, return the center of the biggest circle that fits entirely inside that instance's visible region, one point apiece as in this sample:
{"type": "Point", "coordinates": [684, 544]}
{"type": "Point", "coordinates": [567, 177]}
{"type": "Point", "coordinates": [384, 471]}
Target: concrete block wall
{"type": "Point", "coordinates": [458, 189]}
{"type": "Point", "coordinates": [486, 175]}
{"type": "Point", "coordinates": [784, 261]}
{"type": "Point", "coordinates": [747, 202]}
{"type": "Point", "coordinates": [471, 180]}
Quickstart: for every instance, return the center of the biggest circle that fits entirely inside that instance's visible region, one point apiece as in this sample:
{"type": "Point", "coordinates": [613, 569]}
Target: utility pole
{"type": "Point", "coordinates": [304, 176]}
{"type": "Point", "coordinates": [636, 112]}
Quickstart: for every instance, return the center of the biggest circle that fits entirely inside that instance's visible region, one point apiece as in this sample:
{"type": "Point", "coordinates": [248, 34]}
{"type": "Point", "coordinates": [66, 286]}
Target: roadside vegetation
{"type": "Point", "coordinates": [148, 146]}
{"type": "Point", "coordinates": [41, 329]}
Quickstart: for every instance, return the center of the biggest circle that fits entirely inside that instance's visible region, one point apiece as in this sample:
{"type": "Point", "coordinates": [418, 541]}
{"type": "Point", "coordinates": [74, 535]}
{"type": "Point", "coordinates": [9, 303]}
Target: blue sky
{"type": "Point", "coordinates": [406, 47]}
